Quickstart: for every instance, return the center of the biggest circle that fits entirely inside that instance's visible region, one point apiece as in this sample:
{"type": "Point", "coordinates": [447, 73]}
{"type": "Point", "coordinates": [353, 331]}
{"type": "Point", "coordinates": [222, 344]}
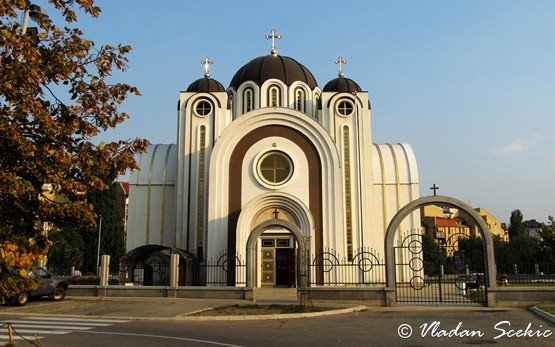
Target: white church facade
{"type": "Point", "coordinates": [271, 159]}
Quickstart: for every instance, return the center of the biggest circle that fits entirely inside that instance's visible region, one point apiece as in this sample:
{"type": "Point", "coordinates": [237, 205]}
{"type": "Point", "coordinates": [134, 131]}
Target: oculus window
{"type": "Point", "coordinates": [275, 168]}
{"type": "Point", "coordinates": [345, 108]}
{"type": "Point", "coordinates": [203, 108]}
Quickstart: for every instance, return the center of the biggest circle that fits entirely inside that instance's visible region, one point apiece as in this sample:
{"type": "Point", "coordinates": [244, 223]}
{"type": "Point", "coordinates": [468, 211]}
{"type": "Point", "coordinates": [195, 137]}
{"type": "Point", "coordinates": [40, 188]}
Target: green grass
{"type": "Point", "coordinates": [246, 310]}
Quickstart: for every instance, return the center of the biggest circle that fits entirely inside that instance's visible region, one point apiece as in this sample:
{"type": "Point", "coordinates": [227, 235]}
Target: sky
{"type": "Point", "coordinates": [470, 85]}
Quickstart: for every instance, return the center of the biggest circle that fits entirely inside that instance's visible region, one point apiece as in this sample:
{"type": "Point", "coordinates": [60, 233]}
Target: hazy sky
{"type": "Point", "coordinates": [469, 84]}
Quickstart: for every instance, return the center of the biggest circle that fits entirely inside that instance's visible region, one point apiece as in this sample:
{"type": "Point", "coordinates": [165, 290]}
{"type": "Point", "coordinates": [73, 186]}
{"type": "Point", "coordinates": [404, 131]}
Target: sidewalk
{"type": "Point", "coordinates": [157, 308]}
{"type": "Point", "coordinates": [144, 308]}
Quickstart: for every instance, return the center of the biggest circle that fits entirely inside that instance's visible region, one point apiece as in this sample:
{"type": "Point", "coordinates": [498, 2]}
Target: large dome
{"type": "Point", "coordinates": [261, 69]}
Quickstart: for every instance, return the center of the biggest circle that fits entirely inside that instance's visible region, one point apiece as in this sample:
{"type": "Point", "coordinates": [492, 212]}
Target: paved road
{"type": "Point", "coordinates": [375, 327]}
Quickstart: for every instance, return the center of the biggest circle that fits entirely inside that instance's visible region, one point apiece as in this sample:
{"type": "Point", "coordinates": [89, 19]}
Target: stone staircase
{"type": "Point", "coordinates": [275, 295]}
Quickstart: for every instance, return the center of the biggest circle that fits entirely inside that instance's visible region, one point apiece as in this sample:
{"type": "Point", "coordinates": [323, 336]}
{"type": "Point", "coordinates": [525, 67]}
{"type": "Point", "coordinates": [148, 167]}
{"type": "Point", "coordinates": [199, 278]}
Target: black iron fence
{"type": "Point", "coordinates": [222, 270]}
{"type": "Point", "coordinates": [365, 269]}
{"type": "Point", "coordinates": [526, 274]}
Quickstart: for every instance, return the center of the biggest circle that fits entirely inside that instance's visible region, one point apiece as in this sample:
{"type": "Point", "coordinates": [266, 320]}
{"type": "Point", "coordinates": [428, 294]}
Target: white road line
{"type": "Point", "coordinates": [54, 332]}
{"type": "Point", "coordinates": [32, 338]}
{"type": "Point", "coordinates": [62, 327]}
{"type": "Point", "coordinates": [78, 319]}
{"type": "Point", "coordinates": [58, 323]}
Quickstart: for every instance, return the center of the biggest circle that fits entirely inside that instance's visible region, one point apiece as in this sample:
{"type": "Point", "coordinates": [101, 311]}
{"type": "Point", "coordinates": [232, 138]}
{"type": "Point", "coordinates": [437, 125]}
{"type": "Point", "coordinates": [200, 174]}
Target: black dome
{"type": "Point", "coordinates": [342, 84]}
{"type": "Point", "coordinates": [205, 85]}
{"type": "Point", "coordinates": [261, 69]}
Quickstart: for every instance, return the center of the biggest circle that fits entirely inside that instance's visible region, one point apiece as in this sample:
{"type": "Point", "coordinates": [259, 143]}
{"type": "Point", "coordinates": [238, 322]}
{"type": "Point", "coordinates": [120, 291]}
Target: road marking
{"type": "Point", "coordinates": [51, 332]}
{"type": "Point", "coordinates": [83, 319]}
{"type": "Point", "coordinates": [59, 326]}
{"type": "Point", "coordinates": [62, 327]}
{"type": "Point", "coordinates": [161, 337]}
{"type": "Point", "coordinates": [31, 338]}
{"type": "Point", "coordinates": [29, 321]}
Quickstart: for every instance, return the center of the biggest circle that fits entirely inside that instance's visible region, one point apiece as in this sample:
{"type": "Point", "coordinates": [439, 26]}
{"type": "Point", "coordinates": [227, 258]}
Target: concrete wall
{"type": "Point", "coordinates": [520, 296]}
{"type": "Point", "coordinates": [498, 297]}
{"type": "Point", "coordinates": [161, 291]}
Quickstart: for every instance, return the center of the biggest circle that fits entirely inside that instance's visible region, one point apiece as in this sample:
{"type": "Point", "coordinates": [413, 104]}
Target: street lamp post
{"type": "Point", "coordinates": [35, 12]}
{"type": "Point", "coordinates": [98, 249]}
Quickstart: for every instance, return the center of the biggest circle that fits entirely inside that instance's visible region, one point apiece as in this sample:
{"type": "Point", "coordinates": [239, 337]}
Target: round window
{"type": "Point", "coordinates": [203, 108]}
{"type": "Point", "coordinates": [275, 168]}
{"type": "Point", "coordinates": [345, 108]}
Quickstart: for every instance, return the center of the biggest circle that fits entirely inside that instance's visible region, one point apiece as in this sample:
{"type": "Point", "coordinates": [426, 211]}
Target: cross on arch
{"type": "Point", "coordinates": [273, 36]}
{"type": "Point", "coordinates": [207, 62]}
{"type": "Point", "coordinates": [434, 188]}
{"type": "Point", "coordinates": [340, 61]}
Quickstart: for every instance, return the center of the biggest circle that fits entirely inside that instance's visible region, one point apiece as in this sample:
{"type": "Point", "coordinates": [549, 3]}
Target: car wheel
{"type": "Point", "coordinates": [59, 293]}
{"type": "Point", "coordinates": [21, 299]}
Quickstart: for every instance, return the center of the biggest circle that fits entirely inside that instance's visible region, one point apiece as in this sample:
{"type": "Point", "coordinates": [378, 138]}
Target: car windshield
{"type": "Point", "coordinates": [39, 273]}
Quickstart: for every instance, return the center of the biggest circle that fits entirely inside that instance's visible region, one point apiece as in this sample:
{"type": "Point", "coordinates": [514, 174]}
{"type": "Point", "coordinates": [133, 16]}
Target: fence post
{"type": "Point", "coordinates": [515, 269]}
{"type": "Point", "coordinates": [174, 270]}
{"type": "Point", "coordinates": [104, 270]}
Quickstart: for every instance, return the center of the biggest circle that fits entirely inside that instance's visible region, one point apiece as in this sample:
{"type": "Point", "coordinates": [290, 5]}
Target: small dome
{"type": "Point", "coordinates": [342, 84]}
{"type": "Point", "coordinates": [283, 68]}
{"type": "Point", "coordinates": [205, 85]}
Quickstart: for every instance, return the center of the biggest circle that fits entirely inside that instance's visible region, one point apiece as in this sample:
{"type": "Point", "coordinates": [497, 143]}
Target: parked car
{"type": "Point", "coordinates": [52, 286]}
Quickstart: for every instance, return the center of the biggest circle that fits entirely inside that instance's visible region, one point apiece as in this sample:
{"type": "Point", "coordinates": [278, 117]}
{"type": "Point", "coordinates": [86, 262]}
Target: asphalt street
{"type": "Point", "coordinates": [374, 327]}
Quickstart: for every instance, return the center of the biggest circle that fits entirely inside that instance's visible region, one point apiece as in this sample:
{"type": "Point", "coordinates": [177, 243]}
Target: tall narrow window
{"type": "Point", "coordinates": [348, 198]}
{"type": "Point", "coordinates": [299, 100]}
{"type": "Point", "coordinates": [201, 186]}
{"type": "Point", "coordinates": [247, 100]}
{"type": "Point", "coordinates": [274, 97]}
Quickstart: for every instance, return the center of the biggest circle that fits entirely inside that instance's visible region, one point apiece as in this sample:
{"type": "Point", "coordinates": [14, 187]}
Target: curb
{"type": "Point", "coordinates": [272, 316]}
{"type": "Point", "coordinates": [202, 318]}
{"type": "Point", "coordinates": [550, 318]}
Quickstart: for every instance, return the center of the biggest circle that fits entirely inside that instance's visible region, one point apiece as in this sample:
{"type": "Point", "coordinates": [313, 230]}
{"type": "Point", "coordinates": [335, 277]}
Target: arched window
{"type": "Point", "coordinates": [201, 197]}
{"type": "Point", "coordinates": [299, 100]}
{"type": "Point", "coordinates": [274, 96]}
{"type": "Point", "coordinates": [348, 195]}
{"type": "Point", "coordinates": [248, 100]}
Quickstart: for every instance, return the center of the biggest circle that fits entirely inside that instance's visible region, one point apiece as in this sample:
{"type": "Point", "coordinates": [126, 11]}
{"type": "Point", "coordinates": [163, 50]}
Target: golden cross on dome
{"type": "Point", "coordinates": [273, 36]}
{"type": "Point", "coordinates": [207, 62]}
{"type": "Point", "coordinates": [340, 61]}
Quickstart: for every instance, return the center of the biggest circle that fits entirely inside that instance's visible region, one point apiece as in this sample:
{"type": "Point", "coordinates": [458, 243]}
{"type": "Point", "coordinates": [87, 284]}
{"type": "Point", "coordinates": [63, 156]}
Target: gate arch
{"type": "Point", "coordinates": [488, 250]}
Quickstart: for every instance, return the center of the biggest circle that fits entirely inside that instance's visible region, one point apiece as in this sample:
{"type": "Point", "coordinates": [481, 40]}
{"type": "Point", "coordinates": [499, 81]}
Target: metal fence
{"type": "Point", "coordinates": [526, 274]}
{"type": "Point", "coordinates": [216, 271]}
{"type": "Point", "coordinates": [365, 269]}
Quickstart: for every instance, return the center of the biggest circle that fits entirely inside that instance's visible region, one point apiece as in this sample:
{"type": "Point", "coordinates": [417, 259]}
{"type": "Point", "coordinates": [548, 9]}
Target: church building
{"type": "Point", "coordinates": [266, 174]}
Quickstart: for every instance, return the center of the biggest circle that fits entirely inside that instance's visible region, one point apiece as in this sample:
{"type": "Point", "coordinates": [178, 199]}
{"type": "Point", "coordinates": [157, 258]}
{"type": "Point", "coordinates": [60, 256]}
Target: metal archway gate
{"type": "Point", "coordinates": [416, 282]}
{"type": "Point", "coordinates": [430, 273]}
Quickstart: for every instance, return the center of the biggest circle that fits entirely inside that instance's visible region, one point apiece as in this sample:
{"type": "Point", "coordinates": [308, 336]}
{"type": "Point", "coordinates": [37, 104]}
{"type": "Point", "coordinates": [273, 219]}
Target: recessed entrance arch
{"type": "Point", "coordinates": [411, 244]}
{"type": "Point", "coordinates": [302, 251]}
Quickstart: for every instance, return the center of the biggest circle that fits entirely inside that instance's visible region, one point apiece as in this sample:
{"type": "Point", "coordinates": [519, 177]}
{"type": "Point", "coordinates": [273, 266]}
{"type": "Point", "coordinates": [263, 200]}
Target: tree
{"type": "Point", "coordinates": [66, 251]}
{"type": "Point", "coordinates": [516, 227]}
{"type": "Point", "coordinates": [112, 240]}
{"type": "Point", "coordinates": [547, 244]}
{"type": "Point", "coordinates": [56, 95]}
{"type": "Point", "coordinates": [433, 254]}
{"type": "Point", "coordinates": [473, 248]}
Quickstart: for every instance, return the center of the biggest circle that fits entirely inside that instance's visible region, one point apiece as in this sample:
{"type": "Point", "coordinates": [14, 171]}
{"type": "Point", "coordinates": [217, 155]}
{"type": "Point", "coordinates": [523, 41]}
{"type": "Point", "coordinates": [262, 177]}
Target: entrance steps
{"type": "Point", "coordinates": [275, 295]}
